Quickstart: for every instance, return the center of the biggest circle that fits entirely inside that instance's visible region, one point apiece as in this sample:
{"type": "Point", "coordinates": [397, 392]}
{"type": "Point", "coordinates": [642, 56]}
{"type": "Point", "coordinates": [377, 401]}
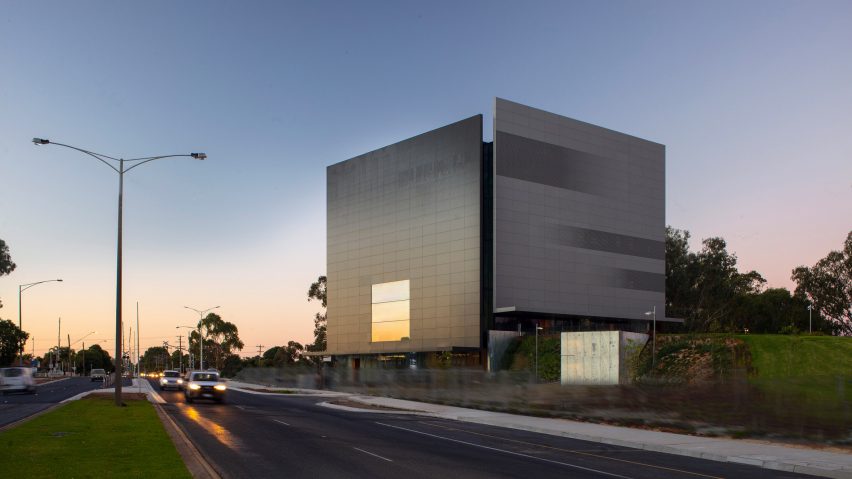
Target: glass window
{"type": "Point", "coordinates": [395, 291]}
{"type": "Point", "coordinates": [391, 311]}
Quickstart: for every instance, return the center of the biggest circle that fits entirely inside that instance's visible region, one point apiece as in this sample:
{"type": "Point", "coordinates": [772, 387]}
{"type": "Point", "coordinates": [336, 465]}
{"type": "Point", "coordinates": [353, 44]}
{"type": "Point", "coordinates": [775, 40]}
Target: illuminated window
{"type": "Point", "coordinates": [391, 311]}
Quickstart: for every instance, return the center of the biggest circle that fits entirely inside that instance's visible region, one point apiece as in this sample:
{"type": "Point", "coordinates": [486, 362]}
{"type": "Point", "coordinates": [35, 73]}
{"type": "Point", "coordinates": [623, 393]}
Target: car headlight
{"type": "Point", "coordinates": [219, 387]}
{"type": "Point", "coordinates": [180, 381]}
{"type": "Point", "coordinates": [162, 381]}
{"type": "Point", "coordinates": [194, 386]}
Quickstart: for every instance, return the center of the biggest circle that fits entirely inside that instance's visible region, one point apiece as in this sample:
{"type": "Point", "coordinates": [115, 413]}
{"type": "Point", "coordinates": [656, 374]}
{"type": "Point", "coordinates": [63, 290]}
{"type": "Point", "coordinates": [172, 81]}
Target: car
{"type": "Point", "coordinates": [17, 379]}
{"type": "Point", "coordinates": [204, 385]}
{"type": "Point", "coordinates": [171, 379]}
{"type": "Point", "coordinates": [98, 375]}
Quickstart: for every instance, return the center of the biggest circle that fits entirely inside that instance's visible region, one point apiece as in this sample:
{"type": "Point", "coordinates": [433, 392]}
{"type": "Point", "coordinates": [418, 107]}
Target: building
{"type": "Point", "coordinates": [440, 242]}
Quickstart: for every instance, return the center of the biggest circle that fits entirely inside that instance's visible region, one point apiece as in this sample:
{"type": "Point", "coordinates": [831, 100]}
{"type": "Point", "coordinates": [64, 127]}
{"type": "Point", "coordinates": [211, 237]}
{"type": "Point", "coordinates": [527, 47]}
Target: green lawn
{"type": "Point", "coordinates": [92, 438]}
{"type": "Point", "coordinates": [779, 356]}
{"type": "Point", "coordinates": [804, 373]}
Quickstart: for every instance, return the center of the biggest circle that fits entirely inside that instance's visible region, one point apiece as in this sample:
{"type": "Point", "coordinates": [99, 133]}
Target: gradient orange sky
{"type": "Point", "coordinates": [753, 101]}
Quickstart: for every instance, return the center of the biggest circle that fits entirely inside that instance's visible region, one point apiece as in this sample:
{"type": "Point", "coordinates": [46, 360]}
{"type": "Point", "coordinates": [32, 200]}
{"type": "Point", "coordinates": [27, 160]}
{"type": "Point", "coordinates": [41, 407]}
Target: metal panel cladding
{"type": "Point", "coordinates": [579, 217]}
{"type": "Point", "coordinates": [407, 212]}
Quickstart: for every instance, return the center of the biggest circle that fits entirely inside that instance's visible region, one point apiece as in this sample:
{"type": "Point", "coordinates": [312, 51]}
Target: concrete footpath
{"type": "Point", "coordinates": [743, 451]}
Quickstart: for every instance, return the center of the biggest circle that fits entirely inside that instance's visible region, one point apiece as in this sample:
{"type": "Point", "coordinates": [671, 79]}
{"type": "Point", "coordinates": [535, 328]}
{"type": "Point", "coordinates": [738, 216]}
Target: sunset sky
{"type": "Point", "coordinates": [753, 101]}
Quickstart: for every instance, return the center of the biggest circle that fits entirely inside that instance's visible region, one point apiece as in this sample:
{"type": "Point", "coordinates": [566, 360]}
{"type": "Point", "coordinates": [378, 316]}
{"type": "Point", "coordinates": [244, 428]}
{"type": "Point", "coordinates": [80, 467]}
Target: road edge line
{"type": "Point", "coordinates": [194, 461]}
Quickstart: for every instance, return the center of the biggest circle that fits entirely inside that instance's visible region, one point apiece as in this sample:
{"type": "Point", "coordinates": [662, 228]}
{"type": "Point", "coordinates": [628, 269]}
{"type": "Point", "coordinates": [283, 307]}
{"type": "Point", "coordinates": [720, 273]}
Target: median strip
{"type": "Point", "coordinates": [92, 438]}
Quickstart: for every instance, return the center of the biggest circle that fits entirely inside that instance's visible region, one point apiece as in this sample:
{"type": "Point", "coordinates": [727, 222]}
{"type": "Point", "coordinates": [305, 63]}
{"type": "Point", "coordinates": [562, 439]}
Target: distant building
{"type": "Point", "coordinates": [438, 242]}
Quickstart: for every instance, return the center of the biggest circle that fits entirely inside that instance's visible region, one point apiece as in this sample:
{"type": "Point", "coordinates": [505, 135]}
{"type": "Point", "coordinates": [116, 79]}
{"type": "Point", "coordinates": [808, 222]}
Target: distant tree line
{"type": "Point", "coordinates": [706, 289]}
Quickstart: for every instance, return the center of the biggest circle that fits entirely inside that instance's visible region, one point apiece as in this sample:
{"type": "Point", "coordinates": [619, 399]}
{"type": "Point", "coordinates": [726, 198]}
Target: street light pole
{"type": "Point", "coordinates": [810, 322]}
{"type": "Point", "coordinates": [537, 329]}
{"type": "Point", "coordinates": [653, 313]}
{"type": "Point", "coordinates": [121, 170]}
{"type": "Point", "coordinates": [21, 289]}
{"type": "Point", "coordinates": [201, 338]}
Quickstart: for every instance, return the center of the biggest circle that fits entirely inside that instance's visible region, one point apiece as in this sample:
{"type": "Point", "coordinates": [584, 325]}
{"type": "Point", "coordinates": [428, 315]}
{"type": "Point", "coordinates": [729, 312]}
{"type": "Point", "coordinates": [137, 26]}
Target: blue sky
{"type": "Point", "coordinates": [752, 99]}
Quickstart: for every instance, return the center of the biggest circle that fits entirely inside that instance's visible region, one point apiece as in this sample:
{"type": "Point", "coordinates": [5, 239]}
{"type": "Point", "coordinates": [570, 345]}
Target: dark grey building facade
{"type": "Point", "coordinates": [437, 240]}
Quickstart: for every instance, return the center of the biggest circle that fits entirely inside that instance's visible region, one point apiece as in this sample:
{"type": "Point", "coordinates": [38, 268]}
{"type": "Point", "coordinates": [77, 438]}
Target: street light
{"type": "Point", "coordinates": [653, 313]}
{"type": "Point", "coordinates": [537, 329]}
{"type": "Point", "coordinates": [810, 322]}
{"type": "Point", "coordinates": [121, 170]}
{"type": "Point", "coordinates": [200, 338]}
{"type": "Point", "coordinates": [21, 289]}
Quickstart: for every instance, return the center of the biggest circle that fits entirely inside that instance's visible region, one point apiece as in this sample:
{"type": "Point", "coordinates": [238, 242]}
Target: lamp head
{"type": "Point", "coordinates": [648, 313]}
{"type": "Point", "coordinates": [40, 141]}
{"type": "Point", "coordinates": [199, 156]}
{"type": "Point", "coordinates": [59, 280]}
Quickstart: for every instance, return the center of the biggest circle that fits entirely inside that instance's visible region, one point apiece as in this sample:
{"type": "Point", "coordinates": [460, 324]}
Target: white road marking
{"type": "Point", "coordinates": [374, 455]}
{"type": "Point", "coordinates": [504, 451]}
{"type": "Point", "coordinates": [281, 422]}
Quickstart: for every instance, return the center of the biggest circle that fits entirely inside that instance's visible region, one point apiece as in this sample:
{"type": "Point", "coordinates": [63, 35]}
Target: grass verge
{"type": "Point", "coordinates": [92, 438]}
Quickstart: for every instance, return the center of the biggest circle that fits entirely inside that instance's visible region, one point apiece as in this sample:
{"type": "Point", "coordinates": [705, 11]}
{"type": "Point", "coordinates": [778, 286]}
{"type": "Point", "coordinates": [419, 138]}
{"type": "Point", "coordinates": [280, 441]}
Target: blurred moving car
{"type": "Point", "coordinates": [204, 385]}
{"type": "Point", "coordinates": [171, 379]}
{"type": "Point", "coordinates": [17, 379]}
{"type": "Point", "coordinates": [97, 375]}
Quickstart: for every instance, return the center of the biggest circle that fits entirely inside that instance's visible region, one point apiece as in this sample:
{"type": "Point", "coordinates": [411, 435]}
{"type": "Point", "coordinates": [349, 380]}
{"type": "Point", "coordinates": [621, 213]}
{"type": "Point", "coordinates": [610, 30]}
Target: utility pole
{"type": "Point", "coordinates": [58, 341]}
{"type": "Point", "coordinates": [137, 339]}
{"type": "Point", "coordinates": [180, 353]}
{"type": "Point", "coordinates": [69, 352]}
{"type": "Point", "coordinates": [259, 349]}
{"type": "Point", "coordinates": [167, 359]}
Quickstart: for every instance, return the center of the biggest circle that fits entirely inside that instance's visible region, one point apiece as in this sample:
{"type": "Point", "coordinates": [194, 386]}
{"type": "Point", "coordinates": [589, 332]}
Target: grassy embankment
{"type": "Point", "coordinates": [819, 368]}
{"type": "Point", "coordinates": [92, 438]}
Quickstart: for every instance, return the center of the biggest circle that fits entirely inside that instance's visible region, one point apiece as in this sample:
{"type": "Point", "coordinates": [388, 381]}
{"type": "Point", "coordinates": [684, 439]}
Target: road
{"type": "Point", "coordinates": [272, 436]}
{"type": "Point", "coordinates": [16, 406]}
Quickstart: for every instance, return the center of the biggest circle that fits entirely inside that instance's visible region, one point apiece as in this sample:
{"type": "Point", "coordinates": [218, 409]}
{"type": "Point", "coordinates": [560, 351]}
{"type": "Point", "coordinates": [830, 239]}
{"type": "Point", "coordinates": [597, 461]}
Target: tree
{"type": "Point", "coordinates": [97, 358]}
{"type": "Point", "coordinates": [681, 274]}
{"type": "Point", "coordinates": [268, 358]}
{"type": "Point", "coordinates": [775, 310]}
{"type": "Point", "coordinates": [6, 264]}
{"type": "Point", "coordinates": [827, 285]}
{"type": "Point", "coordinates": [705, 288]}
{"type": "Point", "coordinates": [719, 284]}
{"type": "Point", "coordinates": [231, 365]}
{"type": "Point", "coordinates": [221, 339]}
{"type": "Point", "coordinates": [177, 359]}
{"type": "Point", "coordinates": [288, 355]}
{"type": "Point", "coordinates": [156, 358]}
{"type": "Point", "coordinates": [318, 291]}
{"type": "Point", "coordinates": [11, 339]}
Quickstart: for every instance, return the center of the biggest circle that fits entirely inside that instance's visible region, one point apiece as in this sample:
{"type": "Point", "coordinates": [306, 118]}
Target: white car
{"type": "Point", "coordinates": [171, 379]}
{"type": "Point", "coordinates": [17, 380]}
{"type": "Point", "coordinates": [204, 385]}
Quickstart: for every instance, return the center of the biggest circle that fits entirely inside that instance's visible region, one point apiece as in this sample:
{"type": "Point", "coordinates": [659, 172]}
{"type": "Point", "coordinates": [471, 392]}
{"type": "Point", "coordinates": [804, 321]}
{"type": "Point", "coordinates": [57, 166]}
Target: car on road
{"type": "Point", "coordinates": [204, 385]}
{"type": "Point", "coordinates": [98, 375]}
{"type": "Point", "coordinates": [17, 379]}
{"type": "Point", "coordinates": [171, 379]}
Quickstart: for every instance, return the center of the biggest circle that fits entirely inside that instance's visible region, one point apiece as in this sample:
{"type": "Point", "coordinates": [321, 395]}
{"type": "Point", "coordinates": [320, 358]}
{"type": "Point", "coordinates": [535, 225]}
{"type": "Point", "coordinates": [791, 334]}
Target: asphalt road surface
{"type": "Point", "coordinates": [277, 436]}
{"type": "Point", "coordinates": [16, 406]}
